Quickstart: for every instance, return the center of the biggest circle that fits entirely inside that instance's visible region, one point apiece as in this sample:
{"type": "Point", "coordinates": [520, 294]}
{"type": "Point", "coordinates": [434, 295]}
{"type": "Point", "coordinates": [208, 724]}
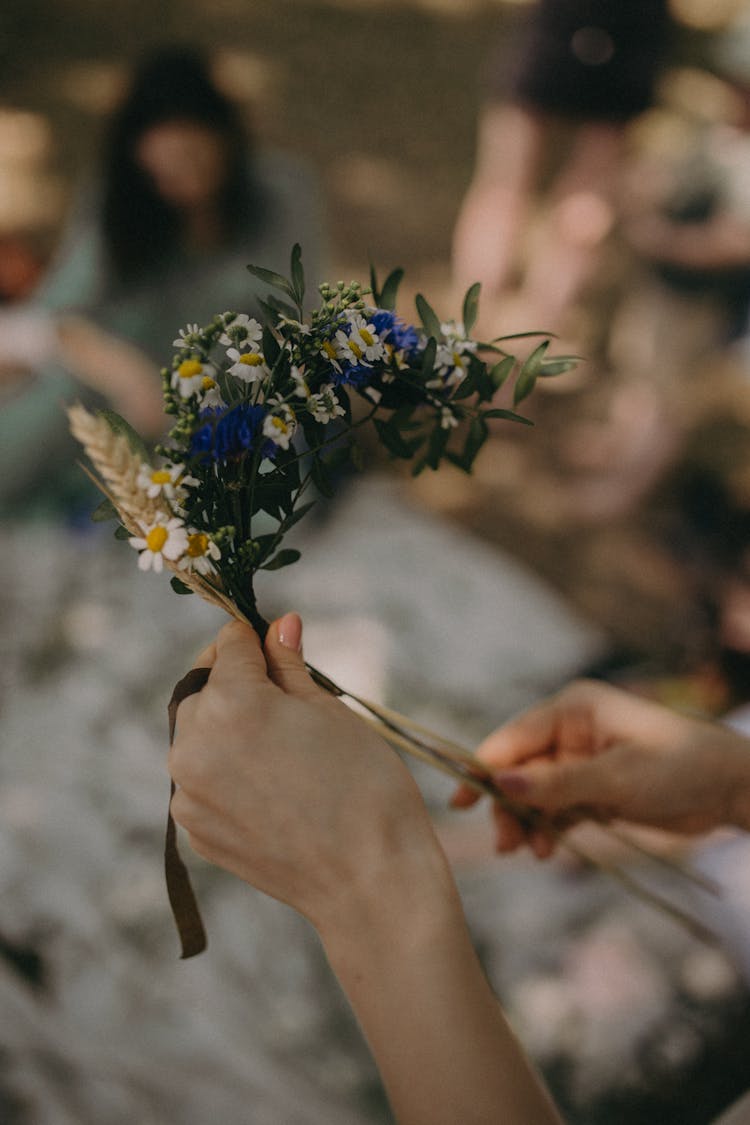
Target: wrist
{"type": "Point", "coordinates": [402, 903]}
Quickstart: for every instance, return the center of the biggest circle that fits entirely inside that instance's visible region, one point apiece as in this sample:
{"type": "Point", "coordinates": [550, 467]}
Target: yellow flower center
{"type": "Point", "coordinates": [156, 539]}
{"type": "Point", "coordinates": [208, 383]}
{"type": "Point", "coordinates": [329, 349]}
{"type": "Point", "coordinates": [251, 359]}
{"type": "Point", "coordinates": [355, 349]}
{"type": "Point", "coordinates": [189, 368]}
{"type": "Point", "coordinates": [197, 545]}
{"type": "Point", "coordinates": [161, 476]}
{"type": "Point", "coordinates": [367, 337]}
{"type": "Point", "coordinates": [280, 425]}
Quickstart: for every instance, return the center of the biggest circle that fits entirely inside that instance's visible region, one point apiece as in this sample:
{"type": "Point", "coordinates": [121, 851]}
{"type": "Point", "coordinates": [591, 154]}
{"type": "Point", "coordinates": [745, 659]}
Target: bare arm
{"type": "Point", "coordinates": [284, 786]}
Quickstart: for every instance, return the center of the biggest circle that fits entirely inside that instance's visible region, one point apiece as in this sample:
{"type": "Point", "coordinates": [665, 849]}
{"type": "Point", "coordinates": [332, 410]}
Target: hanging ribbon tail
{"type": "Point", "coordinates": [182, 898]}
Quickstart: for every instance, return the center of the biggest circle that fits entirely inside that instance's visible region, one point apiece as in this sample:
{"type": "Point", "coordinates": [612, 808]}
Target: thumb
{"type": "Point", "coordinates": [556, 786]}
{"type": "Point", "coordinates": [286, 664]}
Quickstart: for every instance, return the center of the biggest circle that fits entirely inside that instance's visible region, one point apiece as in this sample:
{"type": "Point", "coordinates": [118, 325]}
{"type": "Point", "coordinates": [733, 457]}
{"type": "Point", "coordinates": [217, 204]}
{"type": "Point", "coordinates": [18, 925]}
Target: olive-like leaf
{"type": "Point", "coordinates": [471, 307]}
{"type": "Point", "coordinates": [428, 316]}
{"type": "Point", "coordinates": [178, 586]}
{"type": "Point", "coordinates": [390, 290]}
{"type": "Point", "coordinates": [283, 558]}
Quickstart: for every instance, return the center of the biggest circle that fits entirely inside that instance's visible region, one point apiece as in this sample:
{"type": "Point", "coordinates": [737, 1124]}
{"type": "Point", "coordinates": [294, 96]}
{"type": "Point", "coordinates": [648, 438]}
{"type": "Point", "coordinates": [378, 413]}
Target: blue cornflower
{"type": "Point", "coordinates": [225, 434]}
{"type": "Point", "coordinates": [352, 375]}
{"type": "Point", "coordinates": [393, 330]}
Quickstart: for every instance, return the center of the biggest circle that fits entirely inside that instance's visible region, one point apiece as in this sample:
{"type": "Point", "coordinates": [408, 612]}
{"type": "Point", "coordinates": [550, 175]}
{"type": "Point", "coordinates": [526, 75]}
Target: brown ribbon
{"type": "Point", "coordinates": [182, 899]}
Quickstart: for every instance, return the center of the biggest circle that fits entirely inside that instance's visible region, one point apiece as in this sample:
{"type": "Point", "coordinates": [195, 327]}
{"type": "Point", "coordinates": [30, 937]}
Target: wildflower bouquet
{"type": "Point", "coordinates": [265, 417]}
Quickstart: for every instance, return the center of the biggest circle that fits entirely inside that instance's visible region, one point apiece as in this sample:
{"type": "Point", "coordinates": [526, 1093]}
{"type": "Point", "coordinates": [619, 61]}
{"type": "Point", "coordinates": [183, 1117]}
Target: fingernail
{"type": "Point", "coordinates": [290, 631]}
{"type": "Point", "coordinates": [513, 784]}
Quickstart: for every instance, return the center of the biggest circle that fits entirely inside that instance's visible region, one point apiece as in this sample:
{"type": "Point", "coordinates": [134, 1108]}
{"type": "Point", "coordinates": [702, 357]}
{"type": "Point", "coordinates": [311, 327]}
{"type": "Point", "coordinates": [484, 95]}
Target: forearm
{"type": "Point", "coordinates": [439, 1038]}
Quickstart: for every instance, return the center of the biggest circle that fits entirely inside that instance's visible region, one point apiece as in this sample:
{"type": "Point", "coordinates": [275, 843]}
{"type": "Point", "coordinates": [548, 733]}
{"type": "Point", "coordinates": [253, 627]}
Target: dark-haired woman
{"type": "Point", "coordinates": [183, 203]}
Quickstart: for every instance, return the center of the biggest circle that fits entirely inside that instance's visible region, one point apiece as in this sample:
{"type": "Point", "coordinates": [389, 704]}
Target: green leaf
{"type": "Point", "coordinates": [436, 446]}
{"type": "Point", "coordinates": [427, 315]}
{"type": "Point", "coordinates": [297, 515]}
{"type": "Point", "coordinates": [559, 364]}
{"type": "Point", "coordinates": [104, 511]}
{"type": "Point", "coordinates": [390, 290]}
{"type": "Point", "coordinates": [271, 347]}
{"type": "Point", "coordinates": [179, 587]}
{"type": "Point", "coordinates": [275, 280]}
{"type": "Point", "coordinates": [475, 439]}
{"type": "Point", "coordinates": [394, 442]}
{"type": "Point", "coordinates": [527, 376]}
{"type": "Point", "coordinates": [467, 386]}
{"type": "Point", "coordinates": [284, 558]}
{"type": "Point", "coordinates": [374, 285]}
{"type": "Point", "coordinates": [471, 307]}
{"type": "Point", "coordinates": [500, 372]}
{"type": "Point", "coordinates": [321, 479]}
{"type": "Point", "coordinates": [298, 274]}
{"type": "Point", "coordinates": [428, 357]}
{"type": "Point", "coordinates": [508, 415]}
{"type": "Point", "coordinates": [122, 532]}
{"type": "Point", "coordinates": [118, 425]}
{"type": "Point", "coordinates": [272, 306]}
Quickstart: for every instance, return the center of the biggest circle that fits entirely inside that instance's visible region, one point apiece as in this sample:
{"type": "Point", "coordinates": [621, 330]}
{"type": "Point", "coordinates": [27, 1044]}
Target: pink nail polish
{"type": "Point", "coordinates": [290, 631]}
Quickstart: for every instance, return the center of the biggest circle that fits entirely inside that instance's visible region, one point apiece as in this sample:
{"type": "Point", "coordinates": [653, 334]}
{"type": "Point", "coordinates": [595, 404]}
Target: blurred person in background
{"type": "Point", "coordinates": [583, 68]}
{"type": "Point", "coordinates": [183, 202]}
{"type": "Point", "coordinates": [688, 217]}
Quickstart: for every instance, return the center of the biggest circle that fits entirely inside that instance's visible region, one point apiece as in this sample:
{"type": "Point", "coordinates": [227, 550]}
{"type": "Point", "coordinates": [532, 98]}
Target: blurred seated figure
{"type": "Point", "coordinates": [585, 66]}
{"type": "Point", "coordinates": [688, 218]}
{"type": "Point", "coordinates": [184, 201]}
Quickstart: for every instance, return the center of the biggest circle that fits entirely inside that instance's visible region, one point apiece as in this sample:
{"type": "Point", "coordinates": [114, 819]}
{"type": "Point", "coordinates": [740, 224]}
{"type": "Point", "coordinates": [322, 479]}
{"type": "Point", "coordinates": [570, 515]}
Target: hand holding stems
{"type": "Point", "coordinates": [284, 786]}
{"type": "Point", "coordinates": [595, 751]}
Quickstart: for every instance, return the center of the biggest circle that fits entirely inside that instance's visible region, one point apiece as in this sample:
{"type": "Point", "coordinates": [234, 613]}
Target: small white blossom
{"type": "Point", "coordinates": [242, 331]}
{"type": "Point", "coordinates": [165, 538]}
{"type": "Point", "coordinates": [165, 481]}
{"type": "Point", "coordinates": [188, 377]}
{"type": "Point", "coordinates": [280, 425]}
{"type": "Point", "coordinates": [325, 406]}
{"type": "Point", "coordinates": [301, 388]}
{"type": "Point", "coordinates": [189, 337]}
{"type": "Point", "coordinates": [448, 419]}
{"type": "Point", "coordinates": [200, 554]}
{"type": "Point", "coordinates": [251, 367]}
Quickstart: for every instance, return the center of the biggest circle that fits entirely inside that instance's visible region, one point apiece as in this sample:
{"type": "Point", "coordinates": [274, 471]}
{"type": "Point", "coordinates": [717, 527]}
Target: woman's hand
{"type": "Point", "coordinates": [598, 752]}
{"type": "Point", "coordinates": [281, 784]}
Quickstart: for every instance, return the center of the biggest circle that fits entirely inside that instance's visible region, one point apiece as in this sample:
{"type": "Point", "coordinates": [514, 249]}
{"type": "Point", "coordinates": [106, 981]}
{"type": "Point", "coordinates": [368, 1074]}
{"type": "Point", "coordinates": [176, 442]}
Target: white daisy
{"type": "Point", "coordinates": [188, 376]}
{"type": "Point", "coordinates": [164, 481]}
{"type": "Point", "coordinates": [201, 553]}
{"type": "Point", "coordinates": [241, 331]}
{"type": "Point", "coordinates": [329, 351]}
{"type": "Point", "coordinates": [165, 538]}
{"type": "Point", "coordinates": [280, 425]}
{"type": "Point", "coordinates": [248, 366]}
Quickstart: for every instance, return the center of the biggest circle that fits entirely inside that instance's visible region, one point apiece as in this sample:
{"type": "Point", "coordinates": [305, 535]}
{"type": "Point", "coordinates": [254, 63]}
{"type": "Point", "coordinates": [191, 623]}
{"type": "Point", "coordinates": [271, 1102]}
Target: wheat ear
{"type": "Point", "coordinates": [116, 463]}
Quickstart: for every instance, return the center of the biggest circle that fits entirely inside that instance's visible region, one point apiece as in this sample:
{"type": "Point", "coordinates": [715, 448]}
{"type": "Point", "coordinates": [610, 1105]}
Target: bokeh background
{"type": "Point", "coordinates": [612, 539]}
